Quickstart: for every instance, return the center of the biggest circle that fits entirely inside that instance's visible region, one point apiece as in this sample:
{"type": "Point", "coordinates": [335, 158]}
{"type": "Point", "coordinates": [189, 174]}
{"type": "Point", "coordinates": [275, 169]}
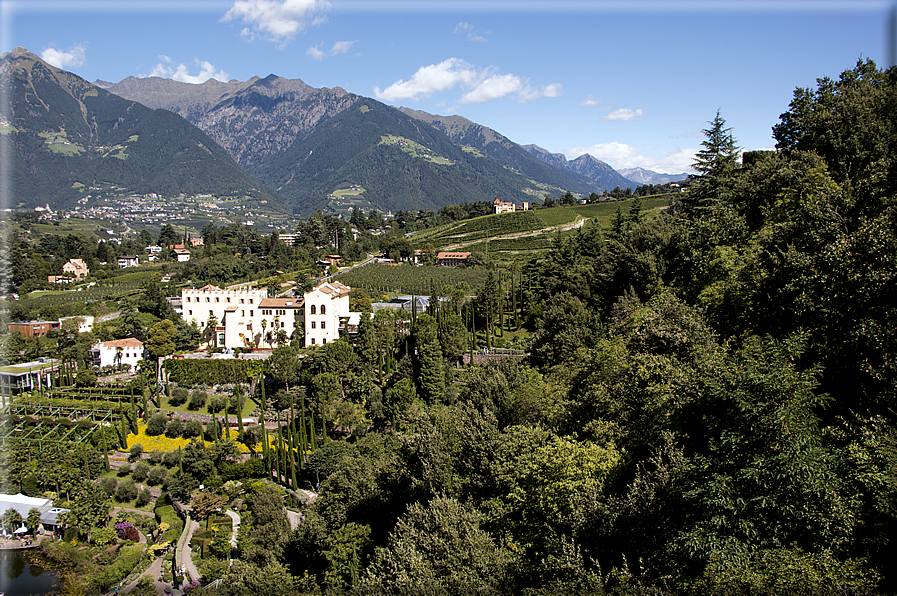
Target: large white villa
{"type": "Point", "coordinates": [244, 317]}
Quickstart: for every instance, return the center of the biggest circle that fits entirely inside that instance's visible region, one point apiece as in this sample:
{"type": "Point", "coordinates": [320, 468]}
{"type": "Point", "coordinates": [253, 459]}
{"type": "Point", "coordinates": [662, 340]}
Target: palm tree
{"type": "Point", "coordinates": [33, 520]}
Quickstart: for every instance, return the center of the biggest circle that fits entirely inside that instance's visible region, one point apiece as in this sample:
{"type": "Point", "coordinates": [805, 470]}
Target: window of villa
{"type": "Point", "coordinates": [313, 325]}
{"type": "Point", "coordinates": [250, 301]}
{"type": "Point", "coordinates": [190, 312]}
{"type": "Point", "coordinates": [314, 310]}
{"type": "Point", "coordinates": [323, 324]}
{"type": "Point", "coordinates": [323, 310]}
{"type": "Point", "coordinates": [217, 299]}
{"type": "Point", "coordinates": [312, 341]}
{"type": "Point", "coordinates": [250, 312]}
{"type": "Point", "coordinates": [207, 298]}
{"type": "Point", "coordinates": [242, 301]}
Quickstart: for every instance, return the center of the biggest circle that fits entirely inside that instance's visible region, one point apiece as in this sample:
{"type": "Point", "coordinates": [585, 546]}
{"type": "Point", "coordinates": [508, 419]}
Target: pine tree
{"type": "Point", "coordinates": [716, 164]}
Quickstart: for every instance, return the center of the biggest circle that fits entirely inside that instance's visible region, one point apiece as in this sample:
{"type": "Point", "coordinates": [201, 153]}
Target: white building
{"type": "Point", "coordinates": [246, 318]}
{"type": "Point", "coordinates": [325, 305]}
{"type": "Point", "coordinates": [229, 308]}
{"type": "Point", "coordinates": [119, 351]}
{"type": "Point", "coordinates": [85, 323]}
{"type": "Point", "coordinates": [49, 515]}
{"type": "Point", "coordinates": [125, 261]}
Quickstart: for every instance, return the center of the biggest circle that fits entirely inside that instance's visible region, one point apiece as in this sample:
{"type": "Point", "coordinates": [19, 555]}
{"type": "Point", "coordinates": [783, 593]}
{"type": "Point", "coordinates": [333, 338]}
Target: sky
{"type": "Point", "coordinates": [633, 83]}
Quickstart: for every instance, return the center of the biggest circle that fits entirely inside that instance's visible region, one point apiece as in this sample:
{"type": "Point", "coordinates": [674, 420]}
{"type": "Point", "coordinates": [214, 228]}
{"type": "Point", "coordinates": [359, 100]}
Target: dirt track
{"type": "Point", "coordinates": [561, 228]}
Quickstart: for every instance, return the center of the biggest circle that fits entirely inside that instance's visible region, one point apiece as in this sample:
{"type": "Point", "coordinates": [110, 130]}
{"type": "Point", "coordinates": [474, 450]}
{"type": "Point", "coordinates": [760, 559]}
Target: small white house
{"type": "Point", "coordinates": [119, 351]}
{"type": "Point", "coordinates": [128, 261]}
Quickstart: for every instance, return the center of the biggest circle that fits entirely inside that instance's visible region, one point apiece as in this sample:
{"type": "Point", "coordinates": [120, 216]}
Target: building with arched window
{"type": "Point", "coordinates": [247, 318]}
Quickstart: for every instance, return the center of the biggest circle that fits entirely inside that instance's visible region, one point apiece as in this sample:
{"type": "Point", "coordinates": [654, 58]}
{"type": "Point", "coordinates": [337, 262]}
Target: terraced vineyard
{"type": "Point", "coordinates": [505, 237]}
{"type": "Point", "coordinates": [409, 279]}
{"type": "Point", "coordinates": [523, 235]}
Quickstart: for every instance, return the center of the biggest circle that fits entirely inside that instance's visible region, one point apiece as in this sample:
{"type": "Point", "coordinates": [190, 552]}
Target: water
{"type": "Point", "coordinates": [18, 577]}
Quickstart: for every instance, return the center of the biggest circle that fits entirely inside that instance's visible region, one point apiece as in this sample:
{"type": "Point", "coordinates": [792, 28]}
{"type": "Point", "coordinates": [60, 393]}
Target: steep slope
{"type": "Point", "coordinates": [470, 134]}
{"type": "Point", "coordinates": [585, 165]}
{"type": "Point", "coordinates": [643, 176]}
{"type": "Point", "coordinates": [400, 162]}
{"type": "Point", "coordinates": [306, 142]}
{"type": "Point", "coordinates": [68, 134]}
{"type": "Point", "coordinates": [254, 121]}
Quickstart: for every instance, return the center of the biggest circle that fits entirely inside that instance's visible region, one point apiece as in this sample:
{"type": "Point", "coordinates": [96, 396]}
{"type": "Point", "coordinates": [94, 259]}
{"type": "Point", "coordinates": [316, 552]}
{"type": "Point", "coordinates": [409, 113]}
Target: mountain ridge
{"type": "Point", "coordinates": [68, 134]}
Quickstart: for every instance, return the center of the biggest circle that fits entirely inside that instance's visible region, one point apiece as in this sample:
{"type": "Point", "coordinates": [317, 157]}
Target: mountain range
{"type": "Point", "coordinates": [598, 170]}
{"type": "Point", "coordinates": [69, 135]}
{"type": "Point", "coordinates": [271, 136]}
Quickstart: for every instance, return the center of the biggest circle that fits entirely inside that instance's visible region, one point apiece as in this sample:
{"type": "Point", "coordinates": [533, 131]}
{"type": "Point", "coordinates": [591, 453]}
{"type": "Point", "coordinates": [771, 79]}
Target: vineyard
{"type": "Point", "coordinates": [409, 279]}
{"type": "Point", "coordinates": [604, 212]}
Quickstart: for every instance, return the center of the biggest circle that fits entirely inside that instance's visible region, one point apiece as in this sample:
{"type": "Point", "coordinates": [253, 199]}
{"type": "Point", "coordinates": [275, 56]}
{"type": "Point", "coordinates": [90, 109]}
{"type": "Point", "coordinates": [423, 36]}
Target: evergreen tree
{"type": "Point", "coordinates": [716, 164]}
{"type": "Point", "coordinates": [431, 373]}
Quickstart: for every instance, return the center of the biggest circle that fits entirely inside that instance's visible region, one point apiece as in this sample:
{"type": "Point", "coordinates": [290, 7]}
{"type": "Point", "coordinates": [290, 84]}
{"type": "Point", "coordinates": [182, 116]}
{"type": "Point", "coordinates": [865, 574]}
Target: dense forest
{"type": "Point", "coordinates": [707, 403]}
{"type": "Point", "coordinates": [708, 406]}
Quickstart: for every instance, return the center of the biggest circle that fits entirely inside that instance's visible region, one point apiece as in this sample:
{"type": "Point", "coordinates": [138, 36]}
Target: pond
{"type": "Point", "coordinates": [19, 577]}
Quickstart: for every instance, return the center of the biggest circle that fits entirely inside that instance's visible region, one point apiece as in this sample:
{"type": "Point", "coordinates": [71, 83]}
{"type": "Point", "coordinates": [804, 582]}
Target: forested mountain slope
{"type": "Point", "coordinates": [273, 126]}
{"type": "Point", "coordinates": [68, 135]}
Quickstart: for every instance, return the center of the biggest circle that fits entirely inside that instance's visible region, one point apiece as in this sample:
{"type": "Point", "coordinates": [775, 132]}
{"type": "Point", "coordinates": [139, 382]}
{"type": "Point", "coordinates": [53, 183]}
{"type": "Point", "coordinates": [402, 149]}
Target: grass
{"type": "Point", "coordinates": [556, 216]}
{"type": "Point", "coordinates": [414, 149]}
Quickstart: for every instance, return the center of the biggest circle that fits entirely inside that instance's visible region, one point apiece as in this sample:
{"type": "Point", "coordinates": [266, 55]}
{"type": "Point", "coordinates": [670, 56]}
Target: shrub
{"type": "Point", "coordinates": [156, 425]}
{"type": "Point", "coordinates": [109, 485]}
{"type": "Point", "coordinates": [213, 430]}
{"type": "Point", "coordinates": [170, 459]}
{"type": "Point", "coordinates": [127, 531]}
{"type": "Point", "coordinates": [124, 470]}
{"type": "Point", "coordinates": [178, 396]}
{"type": "Point", "coordinates": [135, 452]}
{"type": "Point", "coordinates": [193, 428]}
{"type": "Point", "coordinates": [197, 399]}
{"type": "Point", "coordinates": [155, 457]}
{"type": "Point", "coordinates": [217, 403]}
{"type": "Point", "coordinates": [174, 428]}
{"type": "Point", "coordinates": [140, 471]}
{"type": "Point", "coordinates": [126, 491]}
{"type": "Point", "coordinates": [157, 475]}
{"type": "Point", "coordinates": [144, 497]}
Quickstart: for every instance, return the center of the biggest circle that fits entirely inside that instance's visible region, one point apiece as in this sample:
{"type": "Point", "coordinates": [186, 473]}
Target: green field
{"type": "Point", "coordinates": [380, 279]}
{"type": "Point", "coordinates": [523, 235]}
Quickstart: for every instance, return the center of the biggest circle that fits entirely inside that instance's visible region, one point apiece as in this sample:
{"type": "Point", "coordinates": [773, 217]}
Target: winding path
{"type": "Point", "coordinates": [580, 221]}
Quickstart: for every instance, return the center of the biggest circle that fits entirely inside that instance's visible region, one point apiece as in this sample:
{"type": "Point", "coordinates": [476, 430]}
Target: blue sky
{"type": "Point", "coordinates": [632, 83]}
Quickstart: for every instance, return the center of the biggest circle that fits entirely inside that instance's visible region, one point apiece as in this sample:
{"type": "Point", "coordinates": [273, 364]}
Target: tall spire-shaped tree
{"type": "Point", "coordinates": [715, 164]}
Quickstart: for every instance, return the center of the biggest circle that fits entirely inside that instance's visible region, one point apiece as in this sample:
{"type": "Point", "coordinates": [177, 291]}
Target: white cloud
{"type": "Point", "coordinates": [621, 155]}
{"type": "Point", "coordinates": [492, 88]}
{"type": "Point", "coordinates": [430, 79]}
{"type": "Point", "coordinates": [624, 114]}
{"type": "Point", "coordinates": [530, 93]}
{"type": "Point", "coordinates": [590, 101]}
{"type": "Point", "coordinates": [60, 59]}
{"type": "Point", "coordinates": [484, 84]}
{"type": "Point", "coordinates": [277, 20]}
{"type": "Point", "coordinates": [340, 47]}
{"type": "Point", "coordinates": [166, 69]}
{"type": "Point", "coordinates": [468, 29]}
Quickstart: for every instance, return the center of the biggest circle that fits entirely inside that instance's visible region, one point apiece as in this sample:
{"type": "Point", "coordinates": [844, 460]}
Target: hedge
{"type": "Point", "coordinates": [188, 372]}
